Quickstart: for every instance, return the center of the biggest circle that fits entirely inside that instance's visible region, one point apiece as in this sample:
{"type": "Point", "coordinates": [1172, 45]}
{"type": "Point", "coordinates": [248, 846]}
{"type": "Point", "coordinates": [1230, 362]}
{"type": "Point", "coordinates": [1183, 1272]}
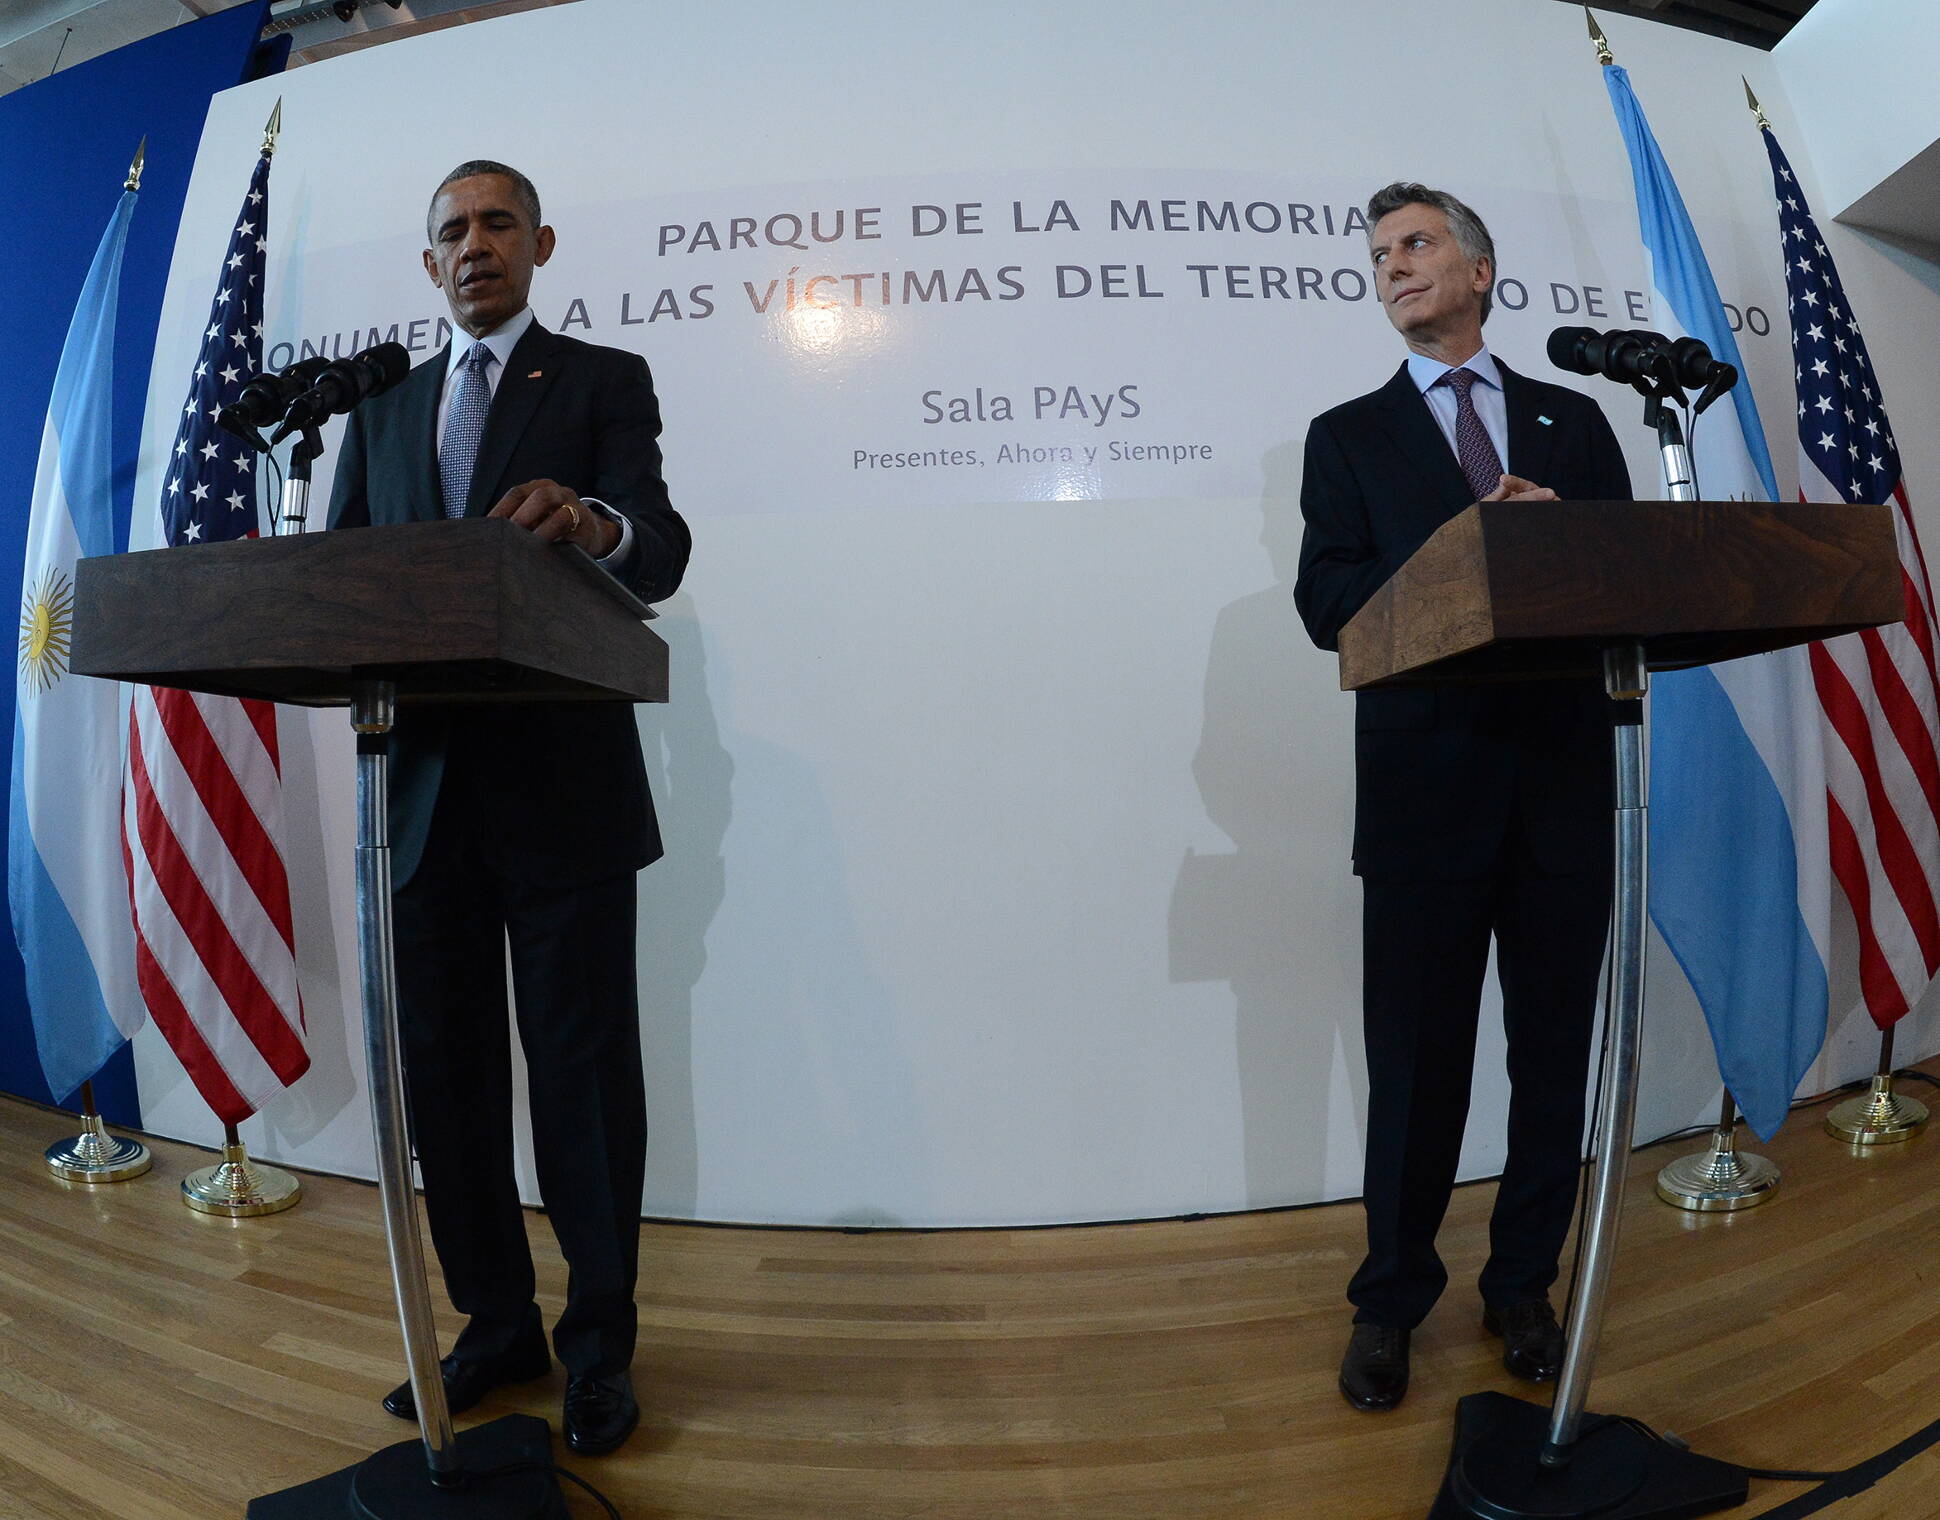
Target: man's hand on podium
{"type": "Point", "coordinates": [1515, 488]}
{"type": "Point", "coordinates": [556, 514]}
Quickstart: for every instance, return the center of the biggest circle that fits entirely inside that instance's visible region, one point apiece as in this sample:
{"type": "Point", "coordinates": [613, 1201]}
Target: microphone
{"type": "Point", "coordinates": [1628, 357]}
{"type": "Point", "coordinates": [340, 386]}
{"type": "Point", "coordinates": [1637, 357]}
{"type": "Point", "coordinates": [265, 398]}
{"type": "Point", "coordinates": [1696, 367]}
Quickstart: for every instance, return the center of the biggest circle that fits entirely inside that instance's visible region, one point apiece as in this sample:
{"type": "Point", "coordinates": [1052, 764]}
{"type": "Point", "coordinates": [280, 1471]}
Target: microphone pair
{"type": "Point", "coordinates": [1650, 361]}
{"type": "Point", "coordinates": [304, 393]}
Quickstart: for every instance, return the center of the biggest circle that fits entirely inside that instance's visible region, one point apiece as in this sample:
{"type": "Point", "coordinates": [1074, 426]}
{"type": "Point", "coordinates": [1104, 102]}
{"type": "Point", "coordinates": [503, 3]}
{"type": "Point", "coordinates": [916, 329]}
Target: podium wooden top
{"type": "Point", "coordinates": [1514, 590]}
{"type": "Point", "coordinates": [472, 610]}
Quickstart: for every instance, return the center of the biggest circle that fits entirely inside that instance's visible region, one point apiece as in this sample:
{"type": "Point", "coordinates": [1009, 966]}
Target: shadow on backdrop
{"type": "Point", "coordinates": [1245, 917]}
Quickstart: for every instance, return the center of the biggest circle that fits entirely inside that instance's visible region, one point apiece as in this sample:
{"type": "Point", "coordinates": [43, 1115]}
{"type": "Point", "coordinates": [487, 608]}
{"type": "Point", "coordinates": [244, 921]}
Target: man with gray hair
{"type": "Point", "coordinates": [1482, 813]}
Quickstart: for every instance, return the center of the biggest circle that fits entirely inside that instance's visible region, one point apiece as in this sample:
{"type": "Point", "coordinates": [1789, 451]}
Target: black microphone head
{"type": "Point", "coordinates": [342, 383]}
{"type": "Point", "coordinates": [1566, 349]}
{"type": "Point", "coordinates": [266, 397]}
{"type": "Point", "coordinates": [301, 375]}
{"type": "Point", "coordinates": [390, 363]}
{"type": "Point", "coordinates": [234, 420]}
{"type": "Point", "coordinates": [1695, 364]}
{"type": "Point", "coordinates": [348, 381]}
{"type": "Point", "coordinates": [1619, 355]}
{"type": "Point", "coordinates": [1723, 377]}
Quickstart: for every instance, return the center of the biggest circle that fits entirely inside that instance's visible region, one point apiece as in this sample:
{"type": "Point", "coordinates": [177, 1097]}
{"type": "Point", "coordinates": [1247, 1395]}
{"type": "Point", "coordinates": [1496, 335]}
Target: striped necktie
{"type": "Point", "coordinates": [1473, 446]}
{"type": "Point", "coordinates": [464, 428]}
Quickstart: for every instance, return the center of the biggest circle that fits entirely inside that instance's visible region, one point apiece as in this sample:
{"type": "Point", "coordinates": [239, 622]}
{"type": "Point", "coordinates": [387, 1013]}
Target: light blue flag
{"type": "Point", "coordinates": [1740, 872]}
{"type": "Point", "coordinates": [65, 878]}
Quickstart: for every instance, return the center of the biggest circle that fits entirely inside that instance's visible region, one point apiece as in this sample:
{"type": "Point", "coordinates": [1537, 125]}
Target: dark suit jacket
{"type": "Point", "coordinates": [1443, 774]}
{"type": "Point", "coordinates": [558, 789]}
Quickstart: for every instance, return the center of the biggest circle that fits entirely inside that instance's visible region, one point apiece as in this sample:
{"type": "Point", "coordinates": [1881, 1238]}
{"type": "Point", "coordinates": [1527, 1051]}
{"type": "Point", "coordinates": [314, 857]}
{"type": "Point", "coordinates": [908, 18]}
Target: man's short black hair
{"type": "Point", "coordinates": [471, 168]}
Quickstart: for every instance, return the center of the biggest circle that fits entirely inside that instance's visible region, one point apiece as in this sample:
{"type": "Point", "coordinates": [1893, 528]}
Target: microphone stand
{"type": "Point", "coordinates": [1512, 1459]}
{"type": "Point", "coordinates": [295, 515]}
{"type": "Point", "coordinates": [1680, 478]}
{"type": "Point", "coordinates": [501, 1470]}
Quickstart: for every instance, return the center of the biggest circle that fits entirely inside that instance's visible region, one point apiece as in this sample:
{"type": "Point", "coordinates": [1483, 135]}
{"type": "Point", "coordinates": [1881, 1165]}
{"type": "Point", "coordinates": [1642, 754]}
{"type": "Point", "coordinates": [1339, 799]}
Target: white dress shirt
{"type": "Point", "coordinates": [1486, 394]}
{"type": "Point", "coordinates": [500, 341]}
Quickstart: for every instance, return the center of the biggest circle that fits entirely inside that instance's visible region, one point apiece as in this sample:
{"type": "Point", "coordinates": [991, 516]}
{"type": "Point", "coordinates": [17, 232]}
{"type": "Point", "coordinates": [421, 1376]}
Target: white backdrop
{"type": "Point", "coordinates": [1007, 804]}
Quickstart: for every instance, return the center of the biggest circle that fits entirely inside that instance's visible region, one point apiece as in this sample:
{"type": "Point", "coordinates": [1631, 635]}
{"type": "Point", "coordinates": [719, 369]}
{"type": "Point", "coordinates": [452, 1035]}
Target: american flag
{"type": "Point", "coordinates": [203, 800]}
{"type": "Point", "coordinates": [1878, 688]}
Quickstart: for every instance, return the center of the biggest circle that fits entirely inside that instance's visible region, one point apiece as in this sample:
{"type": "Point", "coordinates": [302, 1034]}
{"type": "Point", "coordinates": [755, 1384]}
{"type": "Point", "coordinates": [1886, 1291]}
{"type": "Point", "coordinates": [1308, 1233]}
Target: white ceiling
{"type": "Point", "coordinates": [33, 33]}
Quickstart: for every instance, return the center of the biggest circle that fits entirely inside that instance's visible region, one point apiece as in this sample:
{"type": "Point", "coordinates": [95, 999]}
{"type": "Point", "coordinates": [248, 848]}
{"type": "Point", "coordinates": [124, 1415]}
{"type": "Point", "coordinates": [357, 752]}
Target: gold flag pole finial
{"type": "Point", "coordinates": [133, 181]}
{"type": "Point", "coordinates": [273, 126]}
{"type": "Point", "coordinates": [1603, 54]}
{"type": "Point", "coordinates": [1756, 109]}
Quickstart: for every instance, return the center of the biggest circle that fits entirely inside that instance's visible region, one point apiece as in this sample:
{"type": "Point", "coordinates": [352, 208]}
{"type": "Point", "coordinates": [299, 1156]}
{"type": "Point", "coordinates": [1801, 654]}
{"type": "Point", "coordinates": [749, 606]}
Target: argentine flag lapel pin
{"type": "Point", "coordinates": [1543, 420]}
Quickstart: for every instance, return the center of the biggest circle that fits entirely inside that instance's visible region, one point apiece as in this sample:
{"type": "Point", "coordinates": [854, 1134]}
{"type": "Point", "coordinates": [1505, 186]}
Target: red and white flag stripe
{"type": "Point", "coordinates": [1878, 690]}
{"type": "Point", "coordinates": [1881, 698]}
{"type": "Point", "coordinates": [215, 948]}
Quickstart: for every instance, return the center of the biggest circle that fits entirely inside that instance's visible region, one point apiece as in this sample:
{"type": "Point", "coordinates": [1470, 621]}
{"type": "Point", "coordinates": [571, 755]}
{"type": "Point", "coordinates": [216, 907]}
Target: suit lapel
{"type": "Point", "coordinates": [1419, 441]}
{"type": "Point", "coordinates": [417, 421]}
{"type": "Point", "coordinates": [529, 374]}
{"type": "Point", "coordinates": [1532, 438]}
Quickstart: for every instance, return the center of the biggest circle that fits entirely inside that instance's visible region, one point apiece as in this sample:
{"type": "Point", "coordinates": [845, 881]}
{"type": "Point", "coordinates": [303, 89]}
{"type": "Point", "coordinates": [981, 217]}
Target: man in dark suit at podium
{"type": "Point", "coordinates": [522, 822]}
{"type": "Point", "coordinates": [1481, 812]}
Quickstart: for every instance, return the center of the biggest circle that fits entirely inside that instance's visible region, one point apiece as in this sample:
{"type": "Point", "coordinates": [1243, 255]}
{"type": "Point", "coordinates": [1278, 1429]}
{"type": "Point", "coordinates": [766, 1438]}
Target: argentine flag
{"type": "Point", "coordinates": [1740, 874]}
{"type": "Point", "coordinates": [65, 877]}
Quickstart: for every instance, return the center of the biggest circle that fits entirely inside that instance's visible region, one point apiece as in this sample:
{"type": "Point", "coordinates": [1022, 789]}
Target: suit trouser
{"type": "Point", "coordinates": [572, 953]}
{"type": "Point", "coordinates": [1425, 948]}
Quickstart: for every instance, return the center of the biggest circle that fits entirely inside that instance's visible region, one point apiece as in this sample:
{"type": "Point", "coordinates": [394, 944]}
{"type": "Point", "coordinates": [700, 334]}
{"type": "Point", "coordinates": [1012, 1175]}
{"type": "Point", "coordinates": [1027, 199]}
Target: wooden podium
{"type": "Point", "coordinates": [1511, 590]}
{"type": "Point", "coordinates": [1515, 590]}
{"type": "Point", "coordinates": [472, 610]}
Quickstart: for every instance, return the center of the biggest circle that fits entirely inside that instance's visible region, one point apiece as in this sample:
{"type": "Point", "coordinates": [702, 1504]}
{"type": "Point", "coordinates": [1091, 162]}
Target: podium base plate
{"type": "Point", "coordinates": [1617, 1472]}
{"type": "Point", "coordinates": [395, 1483]}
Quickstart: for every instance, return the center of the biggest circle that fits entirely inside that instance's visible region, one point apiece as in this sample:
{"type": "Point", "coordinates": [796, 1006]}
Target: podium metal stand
{"type": "Point", "coordinates": [1510, 590]}
{"type": "Point", "coordinates": [471, 610]}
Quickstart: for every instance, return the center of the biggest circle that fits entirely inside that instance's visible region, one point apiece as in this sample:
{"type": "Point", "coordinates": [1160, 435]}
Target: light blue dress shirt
{"type": "Point", "coordinates": [1486, 394]}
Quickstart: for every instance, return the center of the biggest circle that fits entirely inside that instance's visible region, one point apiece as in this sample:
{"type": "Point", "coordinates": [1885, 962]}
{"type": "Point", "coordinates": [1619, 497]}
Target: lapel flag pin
{"type": "Point", "coordinates": [1544, 421]}
{"type": "Point", "coordinates": [538, 372]}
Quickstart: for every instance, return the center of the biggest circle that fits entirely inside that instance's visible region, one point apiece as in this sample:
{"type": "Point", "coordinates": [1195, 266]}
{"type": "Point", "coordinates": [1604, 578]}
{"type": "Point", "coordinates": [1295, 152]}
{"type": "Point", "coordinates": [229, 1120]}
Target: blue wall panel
{"type": "Point", "coordinates": [65, 146]}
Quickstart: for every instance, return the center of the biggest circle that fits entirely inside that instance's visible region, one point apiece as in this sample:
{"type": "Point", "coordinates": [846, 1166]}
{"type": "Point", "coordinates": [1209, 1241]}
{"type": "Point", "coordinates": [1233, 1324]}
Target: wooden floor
{"type": "Point", "coordinates": [156, 1364]}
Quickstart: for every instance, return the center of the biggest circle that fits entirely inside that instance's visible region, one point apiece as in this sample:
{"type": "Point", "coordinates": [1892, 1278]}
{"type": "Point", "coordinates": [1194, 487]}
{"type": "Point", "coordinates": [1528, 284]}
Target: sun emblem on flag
{"type": "Point", "coordinates": [46, 630]}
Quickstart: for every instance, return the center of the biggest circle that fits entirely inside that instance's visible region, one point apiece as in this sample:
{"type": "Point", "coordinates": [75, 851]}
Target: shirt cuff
{"type": "Point", "coordinates": [623, 550]}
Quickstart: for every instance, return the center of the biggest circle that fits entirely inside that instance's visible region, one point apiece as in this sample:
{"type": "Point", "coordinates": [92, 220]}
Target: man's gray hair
{"type": "Point", "coordinates": [471, 168]}
{"type": "Point", "coordinates": [1471, 234]}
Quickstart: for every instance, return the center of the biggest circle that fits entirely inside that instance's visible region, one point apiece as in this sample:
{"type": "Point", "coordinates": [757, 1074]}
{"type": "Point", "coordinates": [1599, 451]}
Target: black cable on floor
{"type": "Point", "coordinates": [557, 1472]}
{"type": "Point", "coordinates": [1783, 1474]}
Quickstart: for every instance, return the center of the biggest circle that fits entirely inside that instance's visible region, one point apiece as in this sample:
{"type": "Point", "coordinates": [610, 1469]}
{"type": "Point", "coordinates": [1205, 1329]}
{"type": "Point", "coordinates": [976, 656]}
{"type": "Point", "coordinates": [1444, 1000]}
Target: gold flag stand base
{"type": "Point", "coordinates": [1880, 1117]}
{"type": "Point", "coordinates": [94, 1155]}
{"type": "Point", "coordinates": [1719, 1180]}
{"type": "Point", "coordinates": [238, 1188]}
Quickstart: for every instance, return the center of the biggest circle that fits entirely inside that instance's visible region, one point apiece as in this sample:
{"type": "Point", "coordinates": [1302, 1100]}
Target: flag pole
{"type": "Point", "coordinates": [1881, 1116]}
{"type": "Point", "coordinates": [1721, 1179]}
{"type": "Point", "coordinates": [238, 1188]}
{"type": "Point", "coordinates": [1603, 54]}
{"type": "Point", "coordinates": [94, 1155]}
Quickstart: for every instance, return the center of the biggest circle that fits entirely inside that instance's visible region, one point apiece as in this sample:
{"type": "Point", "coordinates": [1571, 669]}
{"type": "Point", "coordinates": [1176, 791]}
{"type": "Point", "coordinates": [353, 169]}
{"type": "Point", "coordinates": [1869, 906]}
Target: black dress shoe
{"type": "Point", "coordinates": [468, 1379]}
{"type": "Point", "coordinates": [1374, 1373]}
{"type": "Point", "coordinates": [1532, 1341]}
{"type": "Point", "coordinates": [600, 1412]}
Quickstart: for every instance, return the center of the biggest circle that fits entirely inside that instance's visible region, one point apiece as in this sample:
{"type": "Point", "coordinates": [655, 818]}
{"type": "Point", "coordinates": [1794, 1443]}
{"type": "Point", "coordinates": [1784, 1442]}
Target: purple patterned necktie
{"type": "Point", "coordinates": [1473, 446]}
